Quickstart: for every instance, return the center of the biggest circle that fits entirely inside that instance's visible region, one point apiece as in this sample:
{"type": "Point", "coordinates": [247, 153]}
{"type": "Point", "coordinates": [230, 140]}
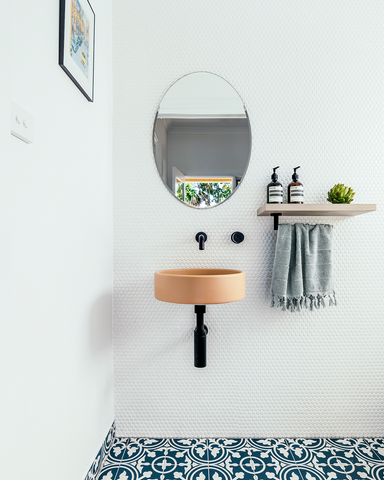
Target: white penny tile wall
{"type": "Point", "coordinates": [311, 76]}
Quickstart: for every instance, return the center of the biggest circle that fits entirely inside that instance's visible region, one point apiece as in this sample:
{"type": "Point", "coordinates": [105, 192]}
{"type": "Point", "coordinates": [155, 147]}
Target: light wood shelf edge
{"type": "Point", "coordinates": [327, 210]}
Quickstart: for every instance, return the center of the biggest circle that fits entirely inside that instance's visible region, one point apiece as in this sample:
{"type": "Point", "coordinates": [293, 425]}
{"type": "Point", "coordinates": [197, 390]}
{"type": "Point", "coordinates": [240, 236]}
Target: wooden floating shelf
{"type": "Point", "coordinates": [326, 210]}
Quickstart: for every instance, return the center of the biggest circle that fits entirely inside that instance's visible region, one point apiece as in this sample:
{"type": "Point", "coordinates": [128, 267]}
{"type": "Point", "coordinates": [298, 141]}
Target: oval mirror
{"type": "Point", "coordinates": [202, 140]}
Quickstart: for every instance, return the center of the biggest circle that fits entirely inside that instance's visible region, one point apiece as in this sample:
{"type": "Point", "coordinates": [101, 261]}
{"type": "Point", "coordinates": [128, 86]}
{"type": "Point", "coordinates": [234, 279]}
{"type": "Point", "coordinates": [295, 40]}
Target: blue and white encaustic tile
{"type": "Point", "coordinates": [102, 454]}
{"type": "Point", "coordinates": [245, 459]}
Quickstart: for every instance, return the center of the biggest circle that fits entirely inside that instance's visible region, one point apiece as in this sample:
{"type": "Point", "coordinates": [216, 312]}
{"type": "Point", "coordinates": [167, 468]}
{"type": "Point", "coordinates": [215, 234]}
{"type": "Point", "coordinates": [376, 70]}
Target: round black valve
{"type": "Point", "coordinates": [237, 237]}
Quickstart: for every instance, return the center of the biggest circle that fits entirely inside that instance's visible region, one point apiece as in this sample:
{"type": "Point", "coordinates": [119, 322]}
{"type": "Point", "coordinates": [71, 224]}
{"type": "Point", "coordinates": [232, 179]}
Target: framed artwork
{"type": "Point", "coordinates": [77, 44]}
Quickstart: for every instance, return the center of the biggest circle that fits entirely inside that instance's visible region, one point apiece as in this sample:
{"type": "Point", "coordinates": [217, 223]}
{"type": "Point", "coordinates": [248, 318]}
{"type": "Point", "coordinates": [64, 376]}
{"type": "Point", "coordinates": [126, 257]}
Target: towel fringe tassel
{"type": "Point", "coordinates": [297, 304]}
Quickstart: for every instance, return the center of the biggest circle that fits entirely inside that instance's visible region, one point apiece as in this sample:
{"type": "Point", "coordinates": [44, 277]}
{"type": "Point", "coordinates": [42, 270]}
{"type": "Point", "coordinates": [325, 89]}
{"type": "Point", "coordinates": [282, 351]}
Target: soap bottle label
{"type": "Point", "coordinates": [296, 194]}
{"type": "Point", "coordinates": [275, 194]}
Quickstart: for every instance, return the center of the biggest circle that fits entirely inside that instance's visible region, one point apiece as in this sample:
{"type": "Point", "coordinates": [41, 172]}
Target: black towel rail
{"type": "Point", "coordinates": [275, 220]}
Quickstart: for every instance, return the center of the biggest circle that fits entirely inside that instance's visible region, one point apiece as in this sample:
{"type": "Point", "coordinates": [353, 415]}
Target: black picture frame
{"type": "Point", "coordinates": [77, 44]}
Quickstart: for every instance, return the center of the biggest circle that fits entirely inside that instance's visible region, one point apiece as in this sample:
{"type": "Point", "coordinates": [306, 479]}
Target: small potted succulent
{"type": "Point", "coordinates": [341, 194]}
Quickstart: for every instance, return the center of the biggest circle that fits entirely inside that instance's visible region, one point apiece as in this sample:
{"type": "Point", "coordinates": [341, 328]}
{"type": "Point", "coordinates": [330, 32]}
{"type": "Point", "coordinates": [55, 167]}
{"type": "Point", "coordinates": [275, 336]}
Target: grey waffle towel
{"type": "Point", "coordinates": [302, 272]}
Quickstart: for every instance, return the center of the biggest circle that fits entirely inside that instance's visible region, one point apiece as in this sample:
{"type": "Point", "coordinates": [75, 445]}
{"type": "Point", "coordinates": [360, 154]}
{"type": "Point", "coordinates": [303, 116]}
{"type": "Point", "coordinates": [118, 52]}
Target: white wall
{"type": "Point", "coordinates": [56, 252]}
{"type": "Point", "coordinates": [310, 74]}
{"type": "Point", "coordinates": [200, 94]}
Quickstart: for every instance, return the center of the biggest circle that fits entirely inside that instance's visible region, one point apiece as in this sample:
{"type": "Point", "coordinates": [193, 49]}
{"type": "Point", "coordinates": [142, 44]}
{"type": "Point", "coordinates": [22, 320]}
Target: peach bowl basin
{"type": "Point", "coordinates": [199, 286]}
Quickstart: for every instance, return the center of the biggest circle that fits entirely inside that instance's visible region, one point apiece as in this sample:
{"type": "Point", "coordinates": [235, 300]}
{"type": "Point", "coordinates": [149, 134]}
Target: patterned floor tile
{"type": "Point", "coordinates": [278, 448]}
{"type": "Point", "coordinates": [295, 450]}
{"type": "Point", "coordinates": [116, 452]}
{"type": "Point", "coordinates": [113, 460]}
{"type": "Point", "coordinates": [163, 459]}
{"type": "Point", "coordinates": [126, 473]}
{"type": "Point", "coordinates": [379, 440]}
{"type": "Point", "coordinates": [171, 463]}
{"type": "Point", "coordinates": [244, 459]}
{"type": "Point", "coordinates": [97, 464]}
{"type": "Point", "coordinates": [338, 459]}
{"type": "Point", "coordinates": [301, 472]}
{"type": "Point", "coordinates": [197, 473]}
{"type": "Point", "coordinates": [377, 472]}
{"type": "Point", "coordinates": [217, 452]}
{"type": "Point", "coordinates": [226, 443]}
{"type": "Point", "coordinates": [247, 458]}
{"type": "Point", "coordinates": [149, 443]}
{"type": "Point", "coordinates": [109, 473]}
{"type": "Point", "coordinates": [375, 448]}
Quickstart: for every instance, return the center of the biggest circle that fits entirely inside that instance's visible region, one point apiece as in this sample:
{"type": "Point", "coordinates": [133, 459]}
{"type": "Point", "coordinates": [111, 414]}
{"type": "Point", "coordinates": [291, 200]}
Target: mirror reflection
{"type": "Point", "coordinates": [202, 140]}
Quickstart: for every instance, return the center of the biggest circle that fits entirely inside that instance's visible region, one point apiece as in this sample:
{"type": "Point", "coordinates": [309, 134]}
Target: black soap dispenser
{"type": "Point", "coordinates": [295, 189]}
{"type": "Point", "coordinates": [274, 189]}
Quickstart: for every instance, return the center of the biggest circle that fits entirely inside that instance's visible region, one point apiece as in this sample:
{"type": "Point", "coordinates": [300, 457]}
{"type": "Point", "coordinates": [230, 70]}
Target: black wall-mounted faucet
{"type": "Point", "coordinates": [201, 237]}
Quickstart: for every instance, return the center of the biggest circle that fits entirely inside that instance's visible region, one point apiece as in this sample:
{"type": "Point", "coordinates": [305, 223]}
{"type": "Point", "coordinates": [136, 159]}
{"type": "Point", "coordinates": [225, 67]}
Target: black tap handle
{"type": "Point", "coordinates": [237, 237]}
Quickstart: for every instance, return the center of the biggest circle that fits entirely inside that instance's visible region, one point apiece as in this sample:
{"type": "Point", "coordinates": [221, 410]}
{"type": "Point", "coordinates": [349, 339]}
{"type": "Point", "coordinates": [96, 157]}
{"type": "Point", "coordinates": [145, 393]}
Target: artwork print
{"type": "Point", "coordinates": [79, 46]}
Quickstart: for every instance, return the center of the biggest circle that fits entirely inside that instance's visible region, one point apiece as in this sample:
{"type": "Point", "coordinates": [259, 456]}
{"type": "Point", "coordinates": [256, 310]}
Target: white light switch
{"type": "Point", "coordinates": [21, 123]}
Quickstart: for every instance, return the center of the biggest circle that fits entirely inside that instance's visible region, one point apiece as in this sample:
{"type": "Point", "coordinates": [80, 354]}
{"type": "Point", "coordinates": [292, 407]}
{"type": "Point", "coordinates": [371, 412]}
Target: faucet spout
{"type": "Point", "coordinates": [201, 237]}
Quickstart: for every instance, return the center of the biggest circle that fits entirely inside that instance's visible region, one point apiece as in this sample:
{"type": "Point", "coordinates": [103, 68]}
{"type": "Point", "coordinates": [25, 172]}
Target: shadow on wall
{"type": "Point", "coordinates": [100, 345]}
{"type": "Point", "coordinates": [100, 324]}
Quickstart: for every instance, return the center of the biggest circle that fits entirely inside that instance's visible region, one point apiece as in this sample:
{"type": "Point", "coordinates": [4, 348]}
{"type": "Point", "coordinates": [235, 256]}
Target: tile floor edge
{"type": "Point", "coordinates": [97, 464]}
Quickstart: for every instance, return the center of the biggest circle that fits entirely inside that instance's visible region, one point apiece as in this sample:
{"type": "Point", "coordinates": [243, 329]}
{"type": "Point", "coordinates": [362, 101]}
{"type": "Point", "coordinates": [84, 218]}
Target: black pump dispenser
{"type": "Point", "coordinates": [274, 176]}
{"type": "Point", "coordinates": [295, 176]}
{"type": "Point", "coordinates": [274, 189]}
{"type": "Point", "coordinates": [295, 189]}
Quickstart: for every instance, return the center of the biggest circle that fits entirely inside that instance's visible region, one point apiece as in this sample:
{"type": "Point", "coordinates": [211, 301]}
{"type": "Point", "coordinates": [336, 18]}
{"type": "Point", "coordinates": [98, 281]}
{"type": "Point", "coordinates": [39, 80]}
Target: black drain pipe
{"type": "Point", "coordinates": [201, 332]}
